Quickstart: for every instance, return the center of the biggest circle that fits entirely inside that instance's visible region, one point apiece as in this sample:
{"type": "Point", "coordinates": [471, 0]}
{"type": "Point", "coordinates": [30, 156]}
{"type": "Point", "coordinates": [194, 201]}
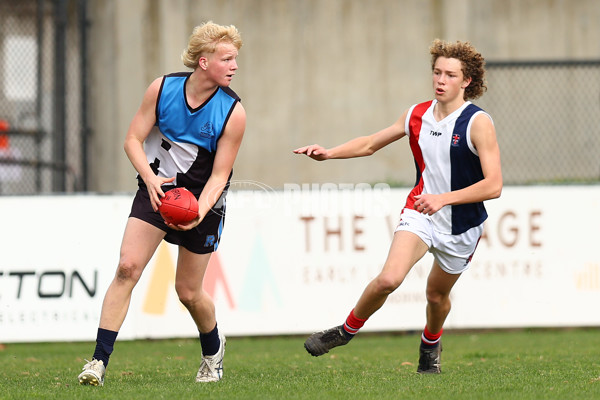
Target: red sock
{"type": "Point", "coordinates": [353, 324]}
{"type": "Point", "coordinates": [431, 339]}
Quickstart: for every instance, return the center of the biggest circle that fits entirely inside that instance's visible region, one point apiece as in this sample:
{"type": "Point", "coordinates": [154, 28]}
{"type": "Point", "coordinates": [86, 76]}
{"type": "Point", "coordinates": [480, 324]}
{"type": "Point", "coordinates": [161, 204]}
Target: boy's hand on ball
{"type": "Point", "coordinates": [155, 191]}
{"type": "Point", "coordinates": [187, 226]}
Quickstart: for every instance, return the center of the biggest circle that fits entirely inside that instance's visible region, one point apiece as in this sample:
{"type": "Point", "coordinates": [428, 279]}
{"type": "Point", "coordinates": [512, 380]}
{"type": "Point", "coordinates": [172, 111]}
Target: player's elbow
{"type": "Point", "coordinates": [370, 148]}
{"type": "Point", "coordinates": [368, 151]}
{"type": "Point", "coordinates": [496, 190]}
{"type": "Point", "coordinates": [221, 176]}
{"type": "Point", "coordinates": [128, 145]}
{"type": "Point", "coordinates": [496, 194]}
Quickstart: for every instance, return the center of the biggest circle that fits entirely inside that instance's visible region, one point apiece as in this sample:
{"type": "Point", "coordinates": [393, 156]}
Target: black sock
{"type": "Point", "coordinates": [210, 342]}
{"type": "Point", "coordinates": [105, 341]}
{"type": "Point", "coordinates": [346, 334]}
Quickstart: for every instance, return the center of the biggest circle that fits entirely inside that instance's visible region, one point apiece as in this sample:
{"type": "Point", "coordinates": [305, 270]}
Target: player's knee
{"type": "Point", "coordinates": [186, 296]}
{"type": "Point", "coordinates": [128, 271]}
{"type": "Point", "coordinates": [386, 283]}
{"type": "Point", "coordinates": [436, 298]}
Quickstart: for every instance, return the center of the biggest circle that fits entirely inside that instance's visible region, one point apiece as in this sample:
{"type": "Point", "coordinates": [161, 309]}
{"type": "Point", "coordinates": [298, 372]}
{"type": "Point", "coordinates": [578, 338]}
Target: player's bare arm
{"type": "Point", "coordinates": [227, 150]}
{"type": "Point", "coordinates": [483, 136]}
{"type": "Point", "coordinates": [139, 129]}
{"type": "Point", "coordinates": [359, 147]}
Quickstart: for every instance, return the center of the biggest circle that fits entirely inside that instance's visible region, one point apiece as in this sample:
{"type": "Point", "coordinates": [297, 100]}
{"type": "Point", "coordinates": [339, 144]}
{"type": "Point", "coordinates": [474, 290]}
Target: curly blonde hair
{"type": "Point", "coordinates": [204, 40]}
{"type": "Point", "coordinates": [473, 64]}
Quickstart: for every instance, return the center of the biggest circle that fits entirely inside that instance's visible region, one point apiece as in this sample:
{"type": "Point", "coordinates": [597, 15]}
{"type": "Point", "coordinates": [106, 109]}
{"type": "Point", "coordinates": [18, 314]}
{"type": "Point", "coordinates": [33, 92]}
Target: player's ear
{"type": "Point", "coordinates": [203, 63]}
{"type": "Point", "coordinates": [466, 82]}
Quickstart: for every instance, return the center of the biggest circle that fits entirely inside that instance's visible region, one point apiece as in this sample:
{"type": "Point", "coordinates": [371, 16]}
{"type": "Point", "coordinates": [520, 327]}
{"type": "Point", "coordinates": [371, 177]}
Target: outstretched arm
{"type": "Point", "coordinates": [359, 147]}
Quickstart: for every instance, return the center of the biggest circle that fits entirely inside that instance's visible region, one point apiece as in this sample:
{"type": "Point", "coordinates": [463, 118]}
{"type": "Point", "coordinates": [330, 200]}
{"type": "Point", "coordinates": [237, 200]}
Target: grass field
{"type": "Point", "coordinates": [524, 364]}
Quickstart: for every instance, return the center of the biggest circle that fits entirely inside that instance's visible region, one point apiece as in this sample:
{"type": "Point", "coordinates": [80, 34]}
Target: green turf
{"type": "Point", "coordinates": [525, 364]}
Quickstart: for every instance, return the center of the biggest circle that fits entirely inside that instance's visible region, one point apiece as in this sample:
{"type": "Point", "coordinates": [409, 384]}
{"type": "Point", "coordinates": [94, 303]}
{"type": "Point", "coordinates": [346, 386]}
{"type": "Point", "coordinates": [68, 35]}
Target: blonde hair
{"type": "Point", "coordinates": [473, 64]}
{"type": "Point", "coordinates": [205, 38]}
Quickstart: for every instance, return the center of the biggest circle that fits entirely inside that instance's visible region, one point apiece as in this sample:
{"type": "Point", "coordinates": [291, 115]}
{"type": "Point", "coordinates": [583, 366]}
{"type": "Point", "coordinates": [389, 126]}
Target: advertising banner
{"type": "Point", "coordinates": [295, 261]}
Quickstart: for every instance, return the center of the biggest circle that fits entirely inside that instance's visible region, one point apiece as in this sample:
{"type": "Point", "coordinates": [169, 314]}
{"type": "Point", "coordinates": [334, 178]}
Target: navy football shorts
{"type": "Point", "coordinates": [200, 240]}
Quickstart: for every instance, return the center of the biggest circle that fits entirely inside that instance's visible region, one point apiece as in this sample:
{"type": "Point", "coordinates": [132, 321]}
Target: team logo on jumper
{"type": "Point", "coordinates": [455, 139]}
{"type": "Point", "coordinates": [206, 130]}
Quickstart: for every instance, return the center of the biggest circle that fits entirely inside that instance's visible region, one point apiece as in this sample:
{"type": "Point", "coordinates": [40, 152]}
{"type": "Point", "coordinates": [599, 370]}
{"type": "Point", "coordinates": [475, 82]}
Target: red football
{"type": "Point", "coordinates": [178, 206]}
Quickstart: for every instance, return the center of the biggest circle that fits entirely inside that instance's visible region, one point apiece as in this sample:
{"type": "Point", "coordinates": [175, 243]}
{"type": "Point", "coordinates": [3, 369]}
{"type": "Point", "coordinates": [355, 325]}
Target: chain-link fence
{"type": "Point", "coordinates": [42, 131]}
{"type": "Point", "coordinates": [547, 116]}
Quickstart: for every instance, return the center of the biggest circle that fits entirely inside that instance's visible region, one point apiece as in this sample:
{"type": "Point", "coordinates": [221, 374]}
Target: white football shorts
{"type": "Point", "coordinates": [452, 252]}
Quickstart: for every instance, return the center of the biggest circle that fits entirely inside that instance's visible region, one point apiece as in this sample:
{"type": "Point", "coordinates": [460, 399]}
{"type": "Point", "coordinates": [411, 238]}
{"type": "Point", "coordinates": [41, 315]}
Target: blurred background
{"type": "Point", "coordinates": [73, 72]}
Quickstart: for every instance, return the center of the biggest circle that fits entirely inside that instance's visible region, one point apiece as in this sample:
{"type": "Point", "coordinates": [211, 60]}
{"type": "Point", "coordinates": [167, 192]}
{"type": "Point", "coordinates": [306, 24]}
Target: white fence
{"type": "Point", "coordinates": [296, 261]}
